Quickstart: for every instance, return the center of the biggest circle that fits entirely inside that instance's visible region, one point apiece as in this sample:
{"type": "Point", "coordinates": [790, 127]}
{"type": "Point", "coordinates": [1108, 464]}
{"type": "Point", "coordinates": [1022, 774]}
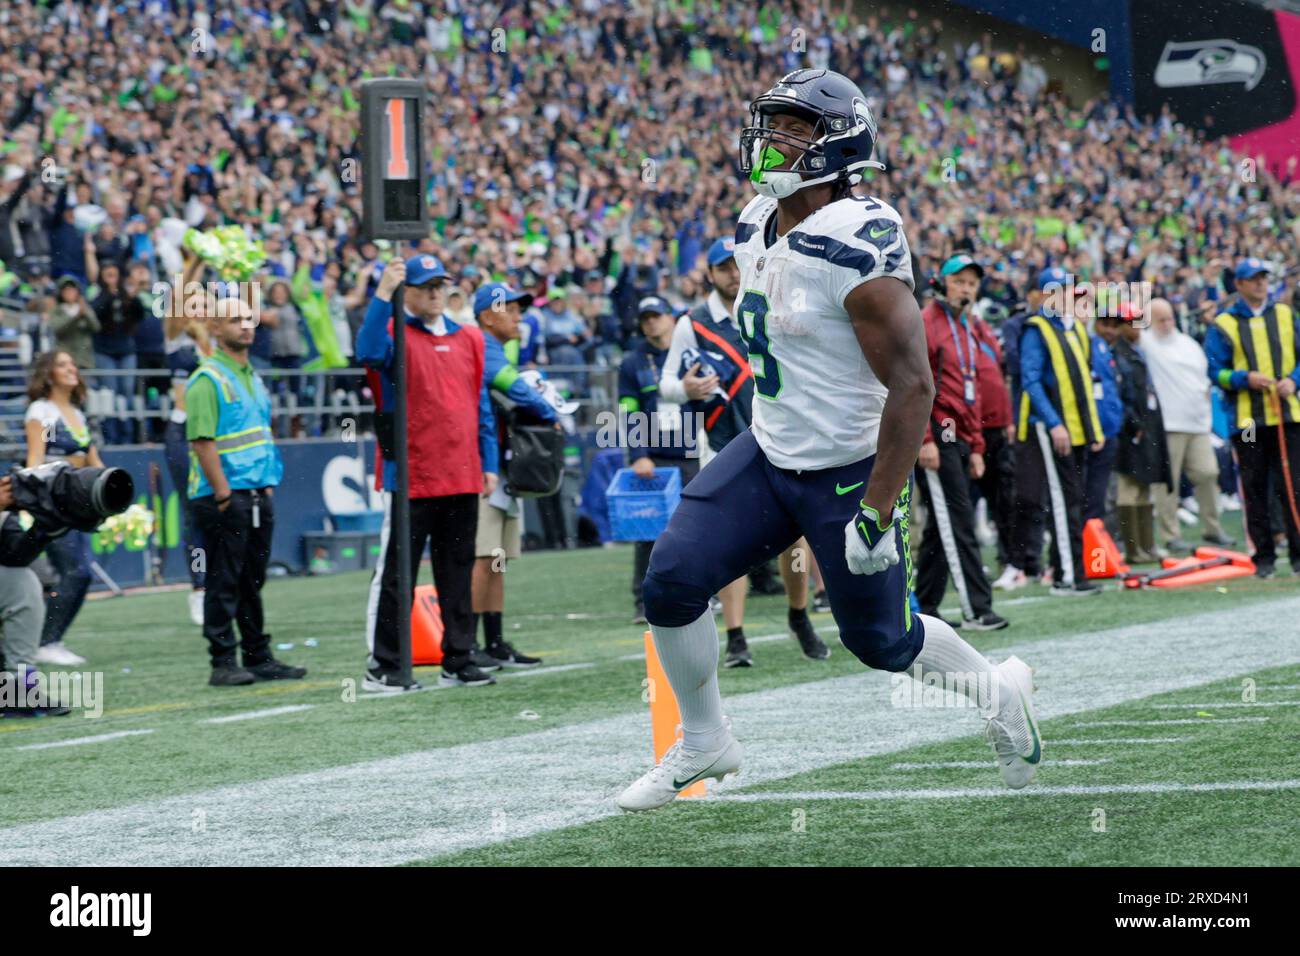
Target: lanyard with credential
{"type": "Point", "coordinates": [967, 371]}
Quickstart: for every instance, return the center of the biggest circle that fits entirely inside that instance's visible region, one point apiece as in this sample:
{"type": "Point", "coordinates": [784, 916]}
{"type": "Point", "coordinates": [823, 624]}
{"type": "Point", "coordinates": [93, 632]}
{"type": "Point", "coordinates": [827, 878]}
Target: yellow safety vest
{"type": "Point", "coordinates": [1265, 344]}
{"type": "Point", "coordinates": [1071, 355]}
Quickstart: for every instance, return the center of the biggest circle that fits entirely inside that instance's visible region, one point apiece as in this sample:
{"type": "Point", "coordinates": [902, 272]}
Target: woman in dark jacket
{"type": "Point", "coordinates": [1142, 458]}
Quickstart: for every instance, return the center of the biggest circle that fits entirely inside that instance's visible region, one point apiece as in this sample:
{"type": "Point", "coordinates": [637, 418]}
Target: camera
{"type": "Point", "coordinates": [58, 496]}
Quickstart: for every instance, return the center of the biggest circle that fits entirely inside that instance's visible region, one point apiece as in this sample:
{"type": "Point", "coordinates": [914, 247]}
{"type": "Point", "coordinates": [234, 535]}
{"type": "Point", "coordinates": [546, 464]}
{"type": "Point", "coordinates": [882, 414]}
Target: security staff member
{"type": "Point", "coordinates": [653, 432]}
{"type": "Point", "coordinates": [953, 454]}
{"type": "Point", "coordinates": [1252, 354]}
{"type": "Point", "coordinates": [452, 444]}
{"type": "Point", "coordinates": [1058, 425]}
{"type": "Point", "coordinates": [234, 469]}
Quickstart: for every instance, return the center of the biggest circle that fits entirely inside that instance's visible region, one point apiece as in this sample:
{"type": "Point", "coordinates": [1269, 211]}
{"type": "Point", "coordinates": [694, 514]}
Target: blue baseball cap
{"type": "Point", "coordinates": [487, 296]}
{"type": "Point", "coordinates": [1248, 268]}
{"type": "Point", "coordinates": [424, 268]}
{"type": "Point", "coordinates": [1052, 274]}
{"type": "Point", "coordinates": [653, 305]}
{"type": "Point", "coordinates": [959, 262]}
{"type": "Point", "coordinates": [722, 250]}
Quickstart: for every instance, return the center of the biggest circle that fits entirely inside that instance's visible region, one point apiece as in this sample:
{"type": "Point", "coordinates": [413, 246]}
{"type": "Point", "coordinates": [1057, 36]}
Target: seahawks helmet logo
{"type": "Point", "coordinates": [1205, 62]}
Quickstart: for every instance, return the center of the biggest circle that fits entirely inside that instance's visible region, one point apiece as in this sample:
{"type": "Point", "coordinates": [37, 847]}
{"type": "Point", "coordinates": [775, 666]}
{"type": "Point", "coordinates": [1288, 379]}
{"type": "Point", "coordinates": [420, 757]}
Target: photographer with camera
{"type": "Point", "coordinates": [234, 468]}
{"type": "Point", "coordinates": [22, 609]}
{"type": "Point", "coordinates": [56, 428]}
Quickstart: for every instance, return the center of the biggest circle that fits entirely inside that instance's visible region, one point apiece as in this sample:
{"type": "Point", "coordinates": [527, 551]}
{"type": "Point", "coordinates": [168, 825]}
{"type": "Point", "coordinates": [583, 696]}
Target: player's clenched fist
{"type": "Point", "coordinates": [869, 545]}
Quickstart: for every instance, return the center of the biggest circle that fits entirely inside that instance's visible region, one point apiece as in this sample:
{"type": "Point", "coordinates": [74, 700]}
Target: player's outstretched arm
{"type": "Point", "coordinates": [888, 325]}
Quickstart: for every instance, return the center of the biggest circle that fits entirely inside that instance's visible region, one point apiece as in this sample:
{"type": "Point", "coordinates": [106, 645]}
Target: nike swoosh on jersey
{"type": "Point", "coordinates": [840, 490]}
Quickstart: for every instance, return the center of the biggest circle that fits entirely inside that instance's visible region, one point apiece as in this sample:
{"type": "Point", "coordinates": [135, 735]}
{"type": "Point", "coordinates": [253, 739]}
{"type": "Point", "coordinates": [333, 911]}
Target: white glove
{"type": "Point", "coordinates": [868, 548]}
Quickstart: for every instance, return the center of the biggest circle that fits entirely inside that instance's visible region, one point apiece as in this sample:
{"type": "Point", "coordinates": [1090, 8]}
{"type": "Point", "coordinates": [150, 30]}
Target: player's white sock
{"type": "Point", "coordinates": [690, 658]}
{"type": "Point", "coordinates": [947, 655]}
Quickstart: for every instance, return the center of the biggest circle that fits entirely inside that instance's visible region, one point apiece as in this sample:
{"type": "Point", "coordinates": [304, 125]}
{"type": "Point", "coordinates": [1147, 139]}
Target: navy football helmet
{"type": "Point", "coordinates": [843, 140]}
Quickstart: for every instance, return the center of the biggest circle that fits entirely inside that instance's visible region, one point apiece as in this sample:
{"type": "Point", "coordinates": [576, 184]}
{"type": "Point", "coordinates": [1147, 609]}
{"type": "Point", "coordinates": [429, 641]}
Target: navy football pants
{"type": "Point", "coordinates": [741, 510]}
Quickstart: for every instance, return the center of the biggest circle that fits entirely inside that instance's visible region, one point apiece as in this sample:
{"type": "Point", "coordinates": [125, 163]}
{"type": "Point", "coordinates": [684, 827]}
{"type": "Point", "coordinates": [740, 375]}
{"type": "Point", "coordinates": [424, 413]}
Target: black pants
{"type": "Point", "coordinates": [237, 549]}
{"type": "Point", "coordinates": [1258, 462]}
{"type": "Point", "coordinates": [555, 530]}
{"type": "Point", "coordinates": [447, 525]}
{"type": "Point", "coordinates": [949, 544]}
{"type": "Point", "coordinates": [178, 466]}
{"type": "Point", "coordinates": [1027, 511]}
{"type": "Point", "coordinates": [690, 467]}
{"type": "Point", "coordinates": [1097, 481]}
{"type": "Point", "coordinates": [998, 486]}
{"type": "Point", "coordinates": [1041, 473]}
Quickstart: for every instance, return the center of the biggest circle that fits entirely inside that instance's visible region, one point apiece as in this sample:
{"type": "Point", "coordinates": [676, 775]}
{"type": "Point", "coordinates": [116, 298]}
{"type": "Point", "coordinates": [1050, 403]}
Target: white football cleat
{"type": "Point", "coordinates": [57, 653]}
{"type": "Point", "coordinates": [678, 770]}
{"type": "Point", "coordinates": [1011, 579]}
{"type": "Point", "coordinates": [1013, 731]}
{"type": "Point", "coordinates": [196, 608]}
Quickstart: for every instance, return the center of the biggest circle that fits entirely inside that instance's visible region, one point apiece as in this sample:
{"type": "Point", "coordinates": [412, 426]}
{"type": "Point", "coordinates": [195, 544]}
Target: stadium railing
{"type": "Point", "coordinates": [304, 404]}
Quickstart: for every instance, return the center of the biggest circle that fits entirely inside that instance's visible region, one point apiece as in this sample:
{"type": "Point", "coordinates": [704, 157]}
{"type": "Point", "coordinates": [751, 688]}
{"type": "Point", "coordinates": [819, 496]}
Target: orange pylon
{"type": "Point", "coordinates": [1101, 557]}
{"type": "Point", "coordinates": [426, 626]}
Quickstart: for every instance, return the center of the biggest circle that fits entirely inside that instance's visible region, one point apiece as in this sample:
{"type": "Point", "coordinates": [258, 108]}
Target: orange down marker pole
{"type": "Point", "coordinates": [664, 715]}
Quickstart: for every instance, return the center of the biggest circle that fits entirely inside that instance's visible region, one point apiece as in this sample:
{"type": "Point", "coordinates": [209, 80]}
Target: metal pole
{"type": "Point", "coordinates": [401, 494]}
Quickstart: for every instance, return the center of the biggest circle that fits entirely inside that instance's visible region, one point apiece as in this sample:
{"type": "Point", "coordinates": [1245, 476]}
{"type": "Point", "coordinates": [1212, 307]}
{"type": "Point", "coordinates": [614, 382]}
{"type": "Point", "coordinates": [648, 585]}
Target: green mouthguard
{"type": "Point", "coordinates": [771, 158]}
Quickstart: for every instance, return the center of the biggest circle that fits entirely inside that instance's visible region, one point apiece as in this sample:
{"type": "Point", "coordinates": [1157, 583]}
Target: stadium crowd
{"type": "Point", "coordinates": [584, 151]}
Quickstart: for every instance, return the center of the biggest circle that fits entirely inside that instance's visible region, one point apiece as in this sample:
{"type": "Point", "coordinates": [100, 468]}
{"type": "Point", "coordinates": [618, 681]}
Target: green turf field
{"type": "Point", "coordinates": [1171, 721]}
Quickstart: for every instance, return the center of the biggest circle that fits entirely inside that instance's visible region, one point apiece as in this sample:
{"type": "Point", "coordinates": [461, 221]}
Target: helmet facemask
{"type": "Point", "coordinates": [763, 148]}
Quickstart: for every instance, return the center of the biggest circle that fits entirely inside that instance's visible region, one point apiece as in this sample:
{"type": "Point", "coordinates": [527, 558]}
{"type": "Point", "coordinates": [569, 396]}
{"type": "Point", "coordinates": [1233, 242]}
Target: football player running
{"type": "Point", "coordinates": [842, 395]}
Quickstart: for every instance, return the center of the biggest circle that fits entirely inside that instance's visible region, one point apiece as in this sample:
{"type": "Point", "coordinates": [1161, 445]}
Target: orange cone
{"type": "Point", "coordinates": [664, 715]}
{"type": "Point", "coordinates": [1100, 555]}
{"type": "Point", "coordinates": [426, 626]}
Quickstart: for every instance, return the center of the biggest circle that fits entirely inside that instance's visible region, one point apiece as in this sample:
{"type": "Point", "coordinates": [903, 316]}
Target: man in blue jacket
{"type": "Point", "coordinates": [498, 309]}
{"type": "Point", "coordinates": [1110, 411]}
{"type": "Point", "coordinates": [1252, 348]}
{"type": "Point", "coordinates": [655, 432]}
{"type": "Point", "coordinates": [1058, 426]}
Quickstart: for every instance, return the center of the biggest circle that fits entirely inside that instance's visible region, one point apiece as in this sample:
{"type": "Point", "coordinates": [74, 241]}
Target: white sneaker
{"type": "Point", "coordinates": [57, 653]}
{"type": "Point", "coordinates": [1011, 579]}
{"type": "Point", "coordinates": [984, 531]}
{"type": "Point", "coordinates": [678, 770]}
{"type": "Point", "coordinates": [1013, 731]}
{"type": "Point", "coordinates": [196, 608]}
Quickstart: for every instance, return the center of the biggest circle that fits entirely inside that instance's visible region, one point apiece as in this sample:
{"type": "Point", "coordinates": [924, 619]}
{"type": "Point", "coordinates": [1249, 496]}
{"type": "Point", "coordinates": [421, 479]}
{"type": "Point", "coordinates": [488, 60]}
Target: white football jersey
{"type": "Point", "coordinates": [817, 401]}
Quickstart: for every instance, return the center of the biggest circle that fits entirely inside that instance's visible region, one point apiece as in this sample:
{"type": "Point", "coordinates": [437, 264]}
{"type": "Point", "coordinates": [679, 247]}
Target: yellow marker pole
{"type": "Point", "coordinates": [664, 715]}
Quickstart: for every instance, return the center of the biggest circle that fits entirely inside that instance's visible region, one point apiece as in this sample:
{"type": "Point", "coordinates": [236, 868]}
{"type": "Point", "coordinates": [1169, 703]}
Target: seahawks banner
{"type": "Point", "coordinates": [1228, 67]}
{"type": "Point", "coordinates": [1220, 65]}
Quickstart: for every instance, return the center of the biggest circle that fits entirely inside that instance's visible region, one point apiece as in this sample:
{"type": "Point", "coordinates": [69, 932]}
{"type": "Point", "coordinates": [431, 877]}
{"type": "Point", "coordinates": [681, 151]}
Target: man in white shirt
{"type": "Point", "coordinates": [1178, 370]}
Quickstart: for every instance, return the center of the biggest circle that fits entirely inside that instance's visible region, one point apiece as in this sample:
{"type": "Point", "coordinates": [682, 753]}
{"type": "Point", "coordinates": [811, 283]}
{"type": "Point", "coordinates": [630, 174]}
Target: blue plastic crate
{"type": "Point", "coordinates": [372, 521]}
{"type": "Point", "coordinates": [639, 508]}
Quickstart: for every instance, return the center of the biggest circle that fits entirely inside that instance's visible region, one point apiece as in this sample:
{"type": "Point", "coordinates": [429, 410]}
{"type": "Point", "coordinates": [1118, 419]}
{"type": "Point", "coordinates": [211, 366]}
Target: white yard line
{"type": "Point", "coordinates": [435, 802]}
{"type": "Point", "coordinates": [258, 714]}
{"type": "Point", "coordinates": [78, 741]}
{"type": "Point", "coordinates": [1170, 723]}
{"type": "Point", "coordinates": [966, 793]}
{"type": "Point", "coordinates": [1115, 741]}
{"type": "Point", "coordinates": [1224, 704]}
{"type": "Point", "coordinates": [540, 671]}
{"type": "Point", "coordinates": [984, 764]}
